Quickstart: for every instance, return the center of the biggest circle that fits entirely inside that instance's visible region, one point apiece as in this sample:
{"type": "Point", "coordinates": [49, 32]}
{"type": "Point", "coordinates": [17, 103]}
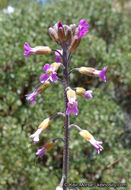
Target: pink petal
{"type": "Point", "coordinates": [44, 78]}
{"type": "Point", "coordinates": [46, 67]}
{"type": "Point", "coordinates": [53, 77]}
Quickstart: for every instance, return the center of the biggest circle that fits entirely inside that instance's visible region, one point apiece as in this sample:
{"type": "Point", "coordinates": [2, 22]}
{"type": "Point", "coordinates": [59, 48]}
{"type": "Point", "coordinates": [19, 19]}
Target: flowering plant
{"type": "Point", "coordinates": [69, 38]}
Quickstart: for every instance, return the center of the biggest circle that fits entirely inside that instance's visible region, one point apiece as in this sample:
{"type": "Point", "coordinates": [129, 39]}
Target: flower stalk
{"type": "Point", "coordinates": [66, 122]}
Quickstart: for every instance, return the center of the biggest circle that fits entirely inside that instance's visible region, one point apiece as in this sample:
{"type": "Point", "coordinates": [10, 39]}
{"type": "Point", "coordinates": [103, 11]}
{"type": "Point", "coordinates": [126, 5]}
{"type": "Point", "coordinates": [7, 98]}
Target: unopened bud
{"type": "Point", "coordinates": [44, 124]}
{"type": "Point", "coordinates": [69, 35]}
{"type": "Point", "coordinates": [75, 43]}
{"type": "Point", "coordinates": [53, 34]}
{"type": "Point", "coordinates": [73, 28]}
{"type": "Point", "coordinates": [80, 91]}
{"type": "Point", "coordinates": [55, 66]}
{"type": "Point", "coordinates": [43, 87]}
{"type": "Point", "coordinates": [61, 34]}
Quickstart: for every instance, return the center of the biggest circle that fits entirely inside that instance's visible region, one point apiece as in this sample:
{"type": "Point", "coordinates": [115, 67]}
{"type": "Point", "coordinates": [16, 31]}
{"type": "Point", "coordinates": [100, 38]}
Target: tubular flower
{"type": "Point", "coordinates": [87, 136]}
{"type": "Point", "coordinates": [82, 28]}
{"type": "Point", "coordinates": [93, 72]}
{"type": "Point", "coordinates": [36, 50]}
{"type": "Point", "coordinates": [72, 103]}
{"type": "Point", "coordinates": [82, 92]}
{"type": "Point", "coordinates": [58, 59]}
{"type": "Point", "coordinates": [41, 128]}
{"type": "Point", "coordinates": [43, 150]}
{"type": "Point", "coordinates": [49, 74]}
{"type": "Point", "coordinates": [32, 96]}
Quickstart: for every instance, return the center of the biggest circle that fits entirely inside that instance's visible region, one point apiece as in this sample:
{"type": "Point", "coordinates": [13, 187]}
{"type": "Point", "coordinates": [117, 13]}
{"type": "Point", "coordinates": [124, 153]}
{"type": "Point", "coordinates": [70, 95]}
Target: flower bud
{"type": "Point", "coordinates": [86, 135]}
{"type": "Point", "coordinates": [61, 32]}
{"type": "Point", "coordinates": [69, 35]}
{"type": "Point", "coordinates": [44, 124]}
{"type": "Point", "coordinates": [73, 28]}
{"type": "Point", "coordinates": [55, 66]}
{"type": "Point", "coordinates": [43, 87]}
{"type": "Point", "coordinates": [75, 43]}
{"type": "Point", "coordinates": [53, 34]}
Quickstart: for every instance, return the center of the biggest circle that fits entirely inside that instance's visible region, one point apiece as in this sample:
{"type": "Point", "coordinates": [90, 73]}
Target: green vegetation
{"type": "Point", "coordinates": [106, 115]}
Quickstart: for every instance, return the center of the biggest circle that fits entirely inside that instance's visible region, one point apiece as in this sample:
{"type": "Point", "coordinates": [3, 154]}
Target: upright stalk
{"type": "Point", "coordinates": [66, 122]}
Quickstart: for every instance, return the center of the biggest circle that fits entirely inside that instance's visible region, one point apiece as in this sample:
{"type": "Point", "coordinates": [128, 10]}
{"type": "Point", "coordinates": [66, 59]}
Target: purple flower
{"type": "Point", "coordinates": [31, 97]}
{"type": "Point", "coordinates": [36, 135]}
{"type": "Point", "coordinates": [88, 94]}
{"type": "Point", "coordinates": [72, 108]}
{"type": "Point", "coordinates": [82, 28]}
{"type": "Point", "coordinates": [50, 74]}
{"type": "Point", "coordinates": [28, 50]}
{"type": "Point", "coordinates": [60, 24]}
{"type": "Point", "coordinates": [102, 73]}
{"type": "Point", "coordinates": [96, 144]}
{"type": "Point", "coordinates": [58, 59]}
{"type": "Point", "coordinates": [41, 152]}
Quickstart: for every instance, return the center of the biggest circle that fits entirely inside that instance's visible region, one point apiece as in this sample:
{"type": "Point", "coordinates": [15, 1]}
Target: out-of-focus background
{"type": "Point", "coordinates": [106, 115]}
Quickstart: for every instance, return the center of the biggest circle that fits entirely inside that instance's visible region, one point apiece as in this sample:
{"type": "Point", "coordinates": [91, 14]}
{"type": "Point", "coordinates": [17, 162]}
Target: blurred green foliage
{"type": "Point", "coordinates": [106, 115]}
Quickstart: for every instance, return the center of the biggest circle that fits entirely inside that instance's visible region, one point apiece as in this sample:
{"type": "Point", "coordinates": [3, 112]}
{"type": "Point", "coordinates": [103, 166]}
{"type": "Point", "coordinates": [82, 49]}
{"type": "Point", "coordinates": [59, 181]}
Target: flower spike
{"type": "Point", "coordinates": [87, 136]}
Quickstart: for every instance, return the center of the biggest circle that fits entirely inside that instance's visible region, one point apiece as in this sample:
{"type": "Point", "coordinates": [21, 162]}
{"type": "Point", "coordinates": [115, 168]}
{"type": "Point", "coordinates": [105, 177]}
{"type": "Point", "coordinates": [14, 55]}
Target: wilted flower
{"type": "Point", "coordinates": [93, 72]}
{"type": "Point", "coordinates": [87, 136]}
{"type": "Point", "coordinates": [82, 28]}
{"type": "Point", "coordinates": [36, 50]}
{"type": "Point", "coordinates": [31, 97]}
{"type": "Point", "coordinates": [43, 150]}
{"type": "Point", "coordinates": [41, 128]}
{"type": "Point", "coordinates": [36, 135]}
{"type": "Point", "coordinates": [72, 103]}
{"type": "Point", "coordinates": [50, 74]}
{"type": "Point", "coordinates": [82, 92]}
